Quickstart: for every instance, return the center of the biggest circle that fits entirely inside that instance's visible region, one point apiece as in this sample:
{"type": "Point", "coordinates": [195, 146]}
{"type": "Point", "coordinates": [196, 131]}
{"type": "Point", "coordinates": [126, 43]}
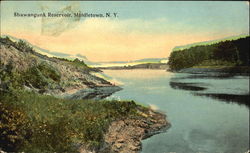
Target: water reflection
{"type": "Point", "coordinates": [200, 84]}
{"type": "Point", "coordinates": [186, 86]}
{"type": "Point", "coordinates": [240, 99]}
{"type": "Point", "coordinates": [209, 76]}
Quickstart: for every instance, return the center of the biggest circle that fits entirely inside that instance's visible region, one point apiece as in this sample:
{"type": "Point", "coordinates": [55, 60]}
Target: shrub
{"type": "Point", "coordinates": [41, 76]}
{"type": "Point", "coordinates": [9, 78]}
{"type": "Point", "coordinates": [49, 72]}
{"type": "Point", "coordinates": [34, 77]}
{"type": "Point", "coordinates": [13, 127]}
{"type": "Point", "coordinates": [23, 46]}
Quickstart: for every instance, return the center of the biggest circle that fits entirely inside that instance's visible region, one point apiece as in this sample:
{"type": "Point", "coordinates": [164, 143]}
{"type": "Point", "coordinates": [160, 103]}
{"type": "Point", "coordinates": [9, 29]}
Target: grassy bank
{"type": "Point", "coordinates": [40, 123]}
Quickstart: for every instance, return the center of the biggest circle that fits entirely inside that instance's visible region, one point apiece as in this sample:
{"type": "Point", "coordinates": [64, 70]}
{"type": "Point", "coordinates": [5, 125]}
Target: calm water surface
{"type": "Point", "coordinates": [198, 124]}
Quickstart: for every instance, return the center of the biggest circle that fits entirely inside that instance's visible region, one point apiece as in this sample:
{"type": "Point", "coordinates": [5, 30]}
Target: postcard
{"type": "Point", "coordinates": [124, 76]}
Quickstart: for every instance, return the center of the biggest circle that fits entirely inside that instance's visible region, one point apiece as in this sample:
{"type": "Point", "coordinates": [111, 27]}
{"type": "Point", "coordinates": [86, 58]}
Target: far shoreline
{"type": "Point", "coordinates": [232, 70]}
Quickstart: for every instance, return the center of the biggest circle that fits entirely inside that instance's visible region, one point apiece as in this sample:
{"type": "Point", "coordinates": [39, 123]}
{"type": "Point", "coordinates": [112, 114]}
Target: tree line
{"type": "Point", "coordinates": [224, 53]}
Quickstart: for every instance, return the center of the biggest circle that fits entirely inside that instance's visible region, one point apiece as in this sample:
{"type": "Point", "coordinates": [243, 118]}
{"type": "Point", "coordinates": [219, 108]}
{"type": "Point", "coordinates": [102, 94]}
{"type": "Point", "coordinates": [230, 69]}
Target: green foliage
{"type": "Point", "coordinates": [13, 127]}
{"type": "Point", "coordinates": [50, 124]}
{"type": "Point", "coordinates": [9, 78]}
{"type": "Point", "coordinates": [212, 62]}
{"type": "Point", "coordinates": [78, 63]}
{"type": "Point", "coordinates": [226, 53]}
{"type": "Point", "coordinates": [40, 76]}
{"type": "Point", "coordinates": [49, 72]}
{"type": "Point", "coordinates": [61, 59]}
{"type": "Point", "coordinates": [23, 46]}
{"type": "Point", "coordinates": [33, 76]}
{"type": "Point", "coordinates": [6, 41]}
{"type": "Point", "coordinates": [20, 45]}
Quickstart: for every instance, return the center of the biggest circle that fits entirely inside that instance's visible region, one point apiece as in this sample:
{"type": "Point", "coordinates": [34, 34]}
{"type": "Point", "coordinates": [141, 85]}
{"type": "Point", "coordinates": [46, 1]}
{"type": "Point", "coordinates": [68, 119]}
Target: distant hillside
{"type": "Point", "coordinates": [223, 53]}
{"type": "Point", "coordinates": [145, 60]}
{"type": "Point", "coordinates": [131, 63]}
{"type": "Point", "coordinates": [178, 48]}
{"type": "Point", "coordinates": [138, 66]}
{"type": "Point", "coordinates": [152, 60]}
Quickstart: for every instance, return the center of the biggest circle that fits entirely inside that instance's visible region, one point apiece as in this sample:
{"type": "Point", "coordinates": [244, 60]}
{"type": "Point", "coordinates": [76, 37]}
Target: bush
{"type": "Point", "coordinates": [23, 46]}
{"type": "Point", "coordinates": [9, 78]}
{"type": "Point", "coordinates": [78, 63]}
{"type": "Point", "coordinates": [41, 76]}
{"type": "Point", "coordinates": [49, 72]}
{"type": "Point", "coordinates": [34, 77]}
{"type": "Point", "coordinates": [13, 127]}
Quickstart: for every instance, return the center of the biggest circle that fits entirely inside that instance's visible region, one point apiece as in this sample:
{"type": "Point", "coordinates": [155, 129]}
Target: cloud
{"type": "Point", "coordinates": [139, 26]}
{"type": "Point", "coordinates": [117, 39]}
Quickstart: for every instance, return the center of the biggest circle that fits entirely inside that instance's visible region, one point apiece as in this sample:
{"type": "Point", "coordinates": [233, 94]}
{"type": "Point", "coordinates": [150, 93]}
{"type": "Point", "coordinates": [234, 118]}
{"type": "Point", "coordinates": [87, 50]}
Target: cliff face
{"type": "Point", "coordinates": [43, 74]}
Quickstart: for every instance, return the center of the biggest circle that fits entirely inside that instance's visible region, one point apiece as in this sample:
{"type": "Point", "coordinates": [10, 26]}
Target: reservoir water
{"type": "Point", "coordinates": [204, 117]}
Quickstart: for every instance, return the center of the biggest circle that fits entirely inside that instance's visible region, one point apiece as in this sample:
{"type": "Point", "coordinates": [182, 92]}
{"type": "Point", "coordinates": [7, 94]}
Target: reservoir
{"type": "Point", "coordinates": [204, 114]}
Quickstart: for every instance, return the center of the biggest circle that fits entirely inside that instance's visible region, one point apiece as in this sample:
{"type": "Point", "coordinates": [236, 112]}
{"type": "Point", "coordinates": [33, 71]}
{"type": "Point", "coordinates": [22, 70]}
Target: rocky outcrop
{"type": "Point", "coordinates": [124, 136]}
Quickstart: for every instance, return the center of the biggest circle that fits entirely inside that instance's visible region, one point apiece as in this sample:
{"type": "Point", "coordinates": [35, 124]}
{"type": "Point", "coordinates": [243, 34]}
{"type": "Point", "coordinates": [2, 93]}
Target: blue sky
{"type": "Point", "coordinates": [165, 24]}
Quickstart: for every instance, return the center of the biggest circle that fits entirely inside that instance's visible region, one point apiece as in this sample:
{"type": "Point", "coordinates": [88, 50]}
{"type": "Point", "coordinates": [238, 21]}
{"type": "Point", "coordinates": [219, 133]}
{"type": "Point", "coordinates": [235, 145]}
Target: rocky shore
{"type": "Point", "coordinates": [125, 136]}
{"type": "Point", "coordinates": [95, 93]}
